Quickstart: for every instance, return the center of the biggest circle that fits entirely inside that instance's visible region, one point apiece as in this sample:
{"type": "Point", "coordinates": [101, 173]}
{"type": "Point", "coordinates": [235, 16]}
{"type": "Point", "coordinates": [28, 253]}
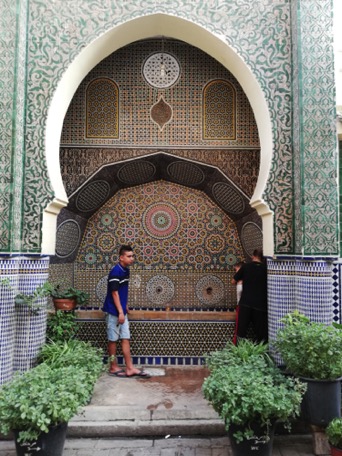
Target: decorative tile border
{"type": "Point", "coordinates": [315, 150]}
{"type": "Point", "coordinates": [337, 293]}
{"type": "Point", "coordinates": [154, 342]}
{"type": "Point", "coordinates": [8, 64]}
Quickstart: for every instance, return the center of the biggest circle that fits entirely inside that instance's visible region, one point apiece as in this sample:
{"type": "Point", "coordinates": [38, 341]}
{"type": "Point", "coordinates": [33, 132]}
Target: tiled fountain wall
{"type": "Point", "coordinates": [184, 209]}
{"type": "Point", "coordinates": [43, 38]}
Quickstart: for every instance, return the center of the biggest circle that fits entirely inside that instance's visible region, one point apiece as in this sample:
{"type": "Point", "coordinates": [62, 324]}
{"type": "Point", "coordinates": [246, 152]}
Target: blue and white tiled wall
{"type": "Point", "coordinates": [311, 286]}
{"type": "Point", "coordinates": [21, 332]}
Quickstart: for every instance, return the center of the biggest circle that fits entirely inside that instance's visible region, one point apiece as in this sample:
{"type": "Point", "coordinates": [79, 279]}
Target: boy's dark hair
{"type": "Point", "coordinates": [124, 249]}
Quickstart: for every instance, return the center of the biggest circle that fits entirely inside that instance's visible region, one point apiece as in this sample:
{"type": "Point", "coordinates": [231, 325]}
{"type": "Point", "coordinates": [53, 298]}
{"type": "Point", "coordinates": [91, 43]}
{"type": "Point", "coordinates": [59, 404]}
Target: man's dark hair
{"type": "Point", "coordinates": [258, 253]}
{"type": "Point", "coordinates": [124, 249]}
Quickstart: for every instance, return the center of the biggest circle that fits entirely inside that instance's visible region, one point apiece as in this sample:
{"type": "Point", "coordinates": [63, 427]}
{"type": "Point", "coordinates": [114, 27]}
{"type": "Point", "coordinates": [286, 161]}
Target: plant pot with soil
{"type": "Point", "coordinates": [69, 298]}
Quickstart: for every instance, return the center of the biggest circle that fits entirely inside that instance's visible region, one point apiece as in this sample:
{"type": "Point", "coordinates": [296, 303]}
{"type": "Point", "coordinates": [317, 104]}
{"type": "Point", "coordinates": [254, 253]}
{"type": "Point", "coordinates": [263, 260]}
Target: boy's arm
{"type": "Point", "coordinates": [117, 302]}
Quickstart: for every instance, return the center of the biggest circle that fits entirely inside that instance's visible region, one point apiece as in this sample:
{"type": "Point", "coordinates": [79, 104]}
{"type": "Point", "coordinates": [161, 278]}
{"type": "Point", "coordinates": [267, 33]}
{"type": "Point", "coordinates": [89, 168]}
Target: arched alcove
{"type": "Point", "coordinates": [137, 29]}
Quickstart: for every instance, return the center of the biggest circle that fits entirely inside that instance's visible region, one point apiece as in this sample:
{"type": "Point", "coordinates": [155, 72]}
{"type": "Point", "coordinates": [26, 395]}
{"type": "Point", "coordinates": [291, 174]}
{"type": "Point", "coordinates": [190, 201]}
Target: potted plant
{"type": "Point", "coordinates": [37, 404]}
{"type": "Point", "coordinates": [334, 435]}
{"type": "Point", "coordinates": [312, 352]}
{"type": "Point", "coordinates": [64, 298]}
{"type": "Point", "coordinates": [61, 326]}
{"type": "Point", "coordinates": [250, 394]}
{"type": "Point", "coordinates": [68, 298]}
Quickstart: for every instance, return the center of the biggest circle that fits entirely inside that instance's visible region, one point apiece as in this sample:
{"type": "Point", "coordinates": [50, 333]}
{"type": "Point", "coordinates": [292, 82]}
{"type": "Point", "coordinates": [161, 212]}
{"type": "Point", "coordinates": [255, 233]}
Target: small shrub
{"type": "Point", "coordinates": [310, 349]}
{"type": "Point", "coordinates": [334, 433]}
{"type": "Point", "coordinates": [61, 326]}
{"type": "Point", "coordinates": [247, 387]}
{"type": "Point", "coordinates": [51, 393]}
{"type": "Point", "coordinates": [42, 397]}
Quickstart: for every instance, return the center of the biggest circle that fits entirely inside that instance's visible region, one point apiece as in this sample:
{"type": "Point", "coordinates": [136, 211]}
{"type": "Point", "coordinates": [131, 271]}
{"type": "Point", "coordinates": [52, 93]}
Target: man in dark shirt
{"type": "Point", "coordinates": [253, 302]}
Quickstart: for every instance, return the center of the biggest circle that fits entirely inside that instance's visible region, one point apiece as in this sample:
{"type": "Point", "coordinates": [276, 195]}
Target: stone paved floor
{"type": "Point", "coordinates": [293, 445]}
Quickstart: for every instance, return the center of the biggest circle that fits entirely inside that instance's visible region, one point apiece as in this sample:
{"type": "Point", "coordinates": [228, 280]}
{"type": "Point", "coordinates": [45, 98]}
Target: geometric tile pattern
{"type": "Point", "coordinates": [251, 237]}
{"type": "Point", "coordinates": [306, 285]}
{"type": "Point", "coordinates": [337, 304]}
{"type": "Point", "coordinates": [219, 110]}
{"type": "Point", "coordinates": [104, 185]}
{"type": "Point", "coordinates": [154, 343]}
{"type": "Point", "coordinates": [185, 252]}
{"type": "Point", "coordinates": [241, 167]}
{"type": "Point", "coordinates": [316, 131]}
{"type": "Point", "coordinates": [102, 109]}
{"type": "Point", "coordinates": [63, 274]}
{"type": "Point", "coordinates": [150, 290]}
{"type": "Point", "coordinates": [9, 269]}
{"type": "Point", "coordinates": [213, 100]}
{"type": "Point", "coordinates": [22, 332]}
{"type": "Point", "coordinates": [169, 226]}
{"type": "Point", "coordinates": [13, 45]}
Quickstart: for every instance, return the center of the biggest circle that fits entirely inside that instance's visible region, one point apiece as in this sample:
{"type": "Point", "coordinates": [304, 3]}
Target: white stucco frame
{"type": "Point", "coordinates": [122, 35]}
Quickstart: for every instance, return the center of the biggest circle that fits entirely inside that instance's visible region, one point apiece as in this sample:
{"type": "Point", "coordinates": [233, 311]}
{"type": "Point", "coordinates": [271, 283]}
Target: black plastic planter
{"type": "Point", "coordinates": [48, 444]}
{"type": "Point", "coordinates": [258, 445]}
{"type": "Point", "coordinates": [322, 401]}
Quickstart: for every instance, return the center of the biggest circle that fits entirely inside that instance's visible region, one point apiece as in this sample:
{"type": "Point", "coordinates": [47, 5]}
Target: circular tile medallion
{"type": "Point", "coordinates": [161, 220]}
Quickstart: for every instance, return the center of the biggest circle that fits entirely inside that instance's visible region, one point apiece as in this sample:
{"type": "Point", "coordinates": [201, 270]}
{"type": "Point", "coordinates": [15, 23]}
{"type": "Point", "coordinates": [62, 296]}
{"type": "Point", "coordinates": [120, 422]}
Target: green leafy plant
{"type": "Point", "coordinates": [51, 393]}
{"type": "Point", "coordinates": [56, 291]}
{"type": "Point", "coordinates": [32, 300]}
{"type": "Point", "coordinates": [337, 325]}
{"type": "Point", "coordinates": [42, 397]}
{"type": "Point", "coordinates": [61, 326]}
{"type": "Point", "coordinates": [250, 389]}
{"type": "Point", "coordinates": [245, 351]}
{"type": "Point", "coordinates": [310, 349]}
{"type": "Point", "coordinates": [73, 352]}
{"type": "Point", "coordinates": [334, 433]}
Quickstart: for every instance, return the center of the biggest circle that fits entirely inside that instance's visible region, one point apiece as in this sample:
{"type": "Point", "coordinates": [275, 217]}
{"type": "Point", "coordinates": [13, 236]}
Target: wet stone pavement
{"type": "Point", "coordinates": [183, 446]}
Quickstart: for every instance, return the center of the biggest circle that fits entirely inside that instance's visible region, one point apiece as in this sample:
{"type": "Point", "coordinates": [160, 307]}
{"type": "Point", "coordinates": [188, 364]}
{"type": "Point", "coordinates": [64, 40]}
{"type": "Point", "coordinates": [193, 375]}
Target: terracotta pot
{"type": "Point", "coordinates": [336, 451]}
{"type": "Point", "coordinates": [64, 304]}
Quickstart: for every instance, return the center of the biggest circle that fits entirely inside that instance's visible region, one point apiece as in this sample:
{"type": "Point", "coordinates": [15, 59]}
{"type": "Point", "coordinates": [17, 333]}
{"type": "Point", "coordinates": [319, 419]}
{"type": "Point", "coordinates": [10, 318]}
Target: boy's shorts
{"type": "Point", "coordinates": [115, 331]}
